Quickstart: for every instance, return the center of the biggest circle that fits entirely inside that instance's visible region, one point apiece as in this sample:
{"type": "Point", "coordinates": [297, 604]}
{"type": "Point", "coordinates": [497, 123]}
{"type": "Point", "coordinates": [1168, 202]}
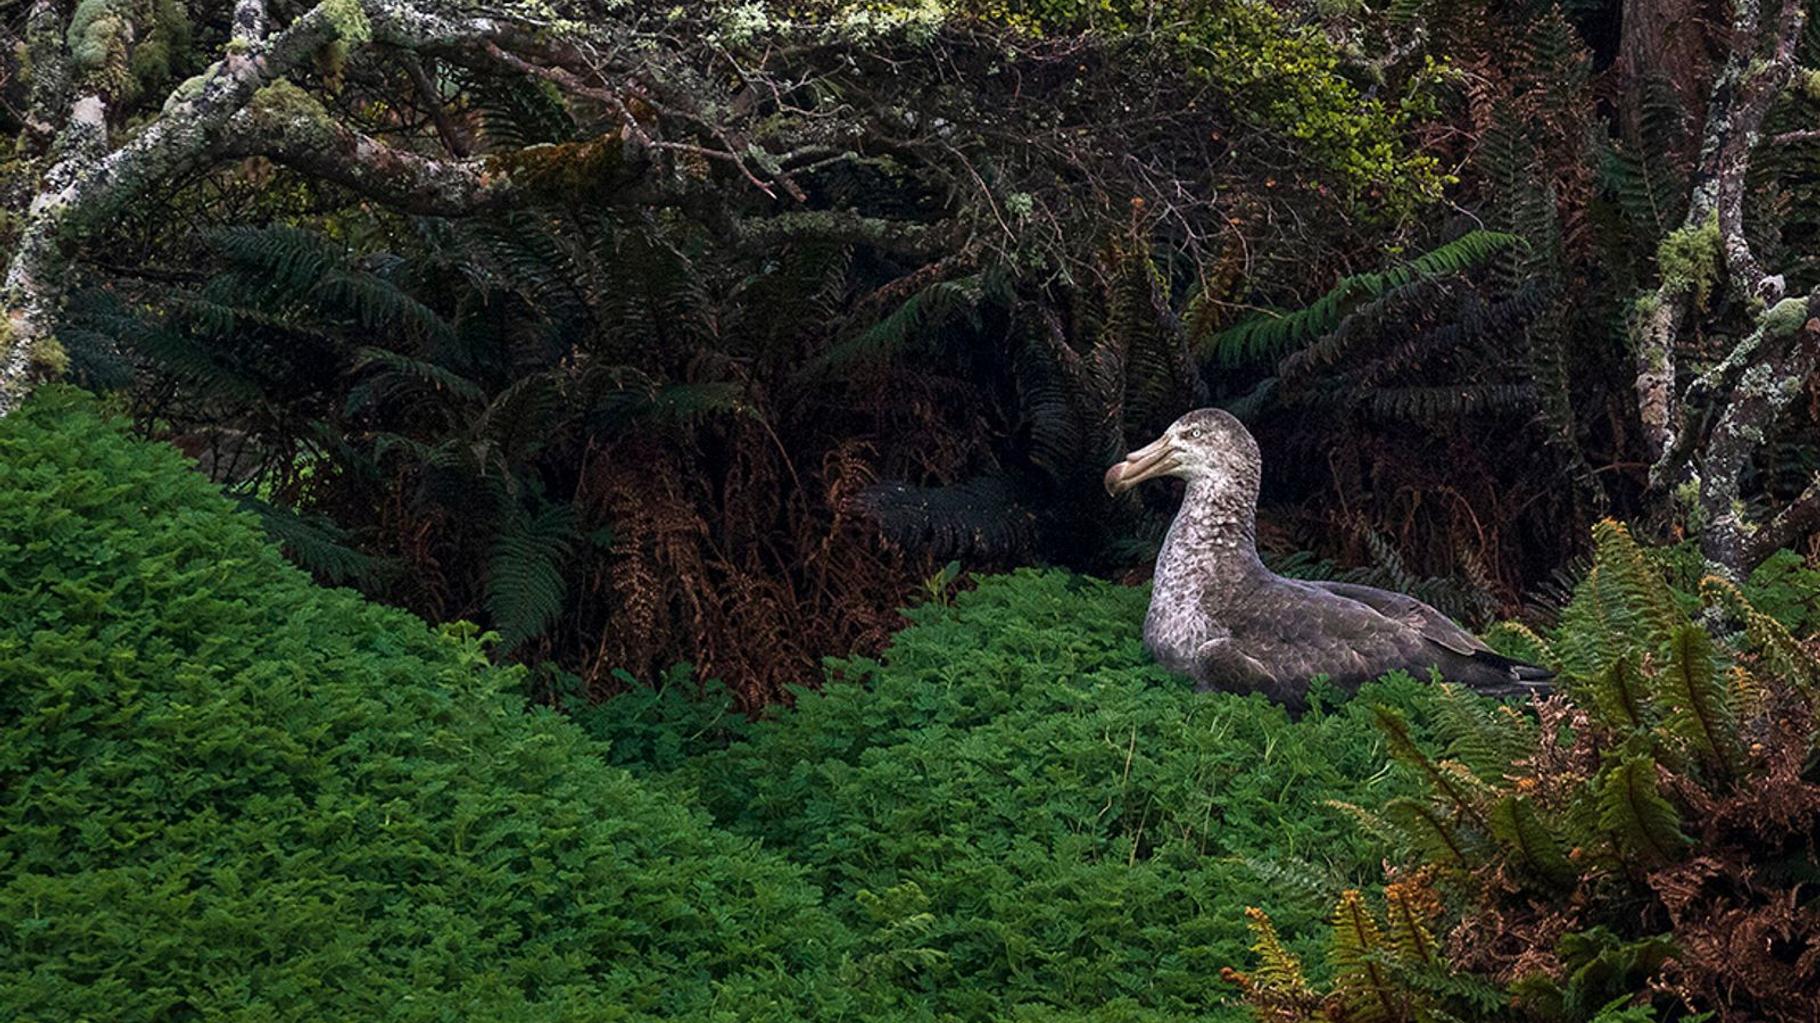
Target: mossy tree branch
{"type": "Point", "coordinates": [767, 130]}
{"type": "Point", "coordinates": [239, 106]}
{"type": "Point", "coordinates": [1704, 463]}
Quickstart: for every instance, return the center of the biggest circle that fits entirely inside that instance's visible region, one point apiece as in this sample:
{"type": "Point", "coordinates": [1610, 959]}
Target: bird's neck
{"type": "Point", "coordinates": [1211, 545]}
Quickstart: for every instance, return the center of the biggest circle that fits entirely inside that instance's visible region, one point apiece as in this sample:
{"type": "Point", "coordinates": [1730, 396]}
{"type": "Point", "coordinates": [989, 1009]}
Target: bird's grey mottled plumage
{"type": "Point", "coordinates": [1220, 617]}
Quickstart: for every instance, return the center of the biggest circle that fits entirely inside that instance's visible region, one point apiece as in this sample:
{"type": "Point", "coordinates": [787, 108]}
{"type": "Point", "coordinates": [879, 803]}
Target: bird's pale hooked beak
{"type": "Point", "coordinates": [1148, 462]}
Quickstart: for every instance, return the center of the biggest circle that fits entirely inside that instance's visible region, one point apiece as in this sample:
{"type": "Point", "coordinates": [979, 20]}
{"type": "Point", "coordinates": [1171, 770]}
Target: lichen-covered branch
{"type": "Point", "coordinates": [1743, 394]}
{"type": "Point", "coordinates": [1800, 518]}
{"type": "Point", "coordinates": [1710, 246]}
{"type": "Point", "coordinates": [49, 62]}
{"type": "Point", "coordinates": [287, 125]}
{"type": "Point", "coordinates": [1783, 353]}
{"type": "Point", "coordinates": [238, 106]}
{"type": "Point", "coordinates": [87, 185]}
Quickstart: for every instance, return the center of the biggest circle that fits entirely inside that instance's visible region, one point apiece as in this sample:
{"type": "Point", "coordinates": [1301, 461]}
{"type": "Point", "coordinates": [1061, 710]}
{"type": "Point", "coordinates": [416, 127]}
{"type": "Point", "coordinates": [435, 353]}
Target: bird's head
{"type": "Point", "coordinates": [1206, 445]}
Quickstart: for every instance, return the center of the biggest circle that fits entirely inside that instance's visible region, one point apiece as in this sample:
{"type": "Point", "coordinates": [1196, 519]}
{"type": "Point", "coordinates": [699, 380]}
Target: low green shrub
{"type": "Point", "coordinates": [1022, 817]}
{"type": "Point", "coordinates": [226, 794]}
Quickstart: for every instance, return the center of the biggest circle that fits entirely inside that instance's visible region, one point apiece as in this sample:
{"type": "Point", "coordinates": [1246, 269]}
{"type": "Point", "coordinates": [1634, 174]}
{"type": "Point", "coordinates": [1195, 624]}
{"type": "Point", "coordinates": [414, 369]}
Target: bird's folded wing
{"type": "Point", "coordinates": [1434, 626]}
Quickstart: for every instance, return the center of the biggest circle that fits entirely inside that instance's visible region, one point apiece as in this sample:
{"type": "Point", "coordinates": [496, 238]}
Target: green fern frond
{"type": "Point", "coordinates": [1531, 843]}
{"type": "Point", "coordinates": [1487, 741]}
{"type": "Point", "coordinates": [1622, 604]}
{"type": "Point", "coordinates": [1472, 997]}
{"type": "Point", "coordinates": [520, 420]}
{"type": "Point", "coordinates": [1622, 695]}
{"type": "Point", "coordinates": [524, 584]}
{"type": "Point", "coordinates": [97, 361]}
{"type": "Point", "coordinates": [1767, 637]}
{"type": "Point", "coordinates": [1642, 173]}
{"type": "Point", "coordinates": [1632, 809]}
{"type": "Point", "coordinates": [1693, 685]}
{"type": "Point", "coordinates": [1357, 954]}
{"type": "Point", "coordinates": [395, 370]}
{"type": "Point", "coordinates": [1429, 832]}
{"type": "Point", "coordinates": [1519, 641]}
{"type": "Point", "coordinates": [916, 316]}
{"type": "Point", "coordinates": [375, 304]}
{"type": "Point", "coordinates": [278, 263]}
{"type": "Point", "coordinates": [1278, 970]}
{"type": "Point", "coordinates": [1371, 824]}
{"type": "Point", "coordinates": [517, 111]}
{"type": "Point", "coordinates": [316, 543]}
{"type": "Point", "coordinates": [1267, 336]}
{"type": "Point", "coordinates": [1447, 783]}
{"type": "Point", "coordinates": [1637, 579]}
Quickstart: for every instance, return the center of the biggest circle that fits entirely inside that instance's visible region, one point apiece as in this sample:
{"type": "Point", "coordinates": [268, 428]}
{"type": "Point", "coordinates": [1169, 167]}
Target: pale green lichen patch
{"type": "Point", "coordinates": [918, 22]}
{"type": "Point", "coordinates": [1689, 260]}
{"type": "Point", "coordinates": [1757, 381]}
{"type": "Point", "coordinates": [1785, 317]}
{"type": "Point", "coordinates": [189, 89]}
{"type": "Point", "coordinates": [742, 23]}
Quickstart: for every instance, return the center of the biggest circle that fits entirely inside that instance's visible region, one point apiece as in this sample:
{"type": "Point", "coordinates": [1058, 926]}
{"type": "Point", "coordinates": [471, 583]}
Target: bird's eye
{"type": "Point", "coordinates": [1194, 434]}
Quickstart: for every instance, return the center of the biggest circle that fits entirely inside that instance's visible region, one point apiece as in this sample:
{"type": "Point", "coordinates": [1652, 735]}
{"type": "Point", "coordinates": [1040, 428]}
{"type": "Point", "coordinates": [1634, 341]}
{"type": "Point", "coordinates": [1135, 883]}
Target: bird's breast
{"type": "Point", "coordinates": [1175, 628]}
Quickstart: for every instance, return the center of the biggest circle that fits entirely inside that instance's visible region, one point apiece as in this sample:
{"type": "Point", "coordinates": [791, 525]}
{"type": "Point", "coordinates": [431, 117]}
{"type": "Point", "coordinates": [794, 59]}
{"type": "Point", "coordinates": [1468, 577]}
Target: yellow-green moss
{"type": "Point", "coordinates": [127, 48]}
{"type": "Point", "coordinates": [49, 360]}
{"type": "Point", "coordinates": [284, 100]}
{"type": "Point", "coordinates": [349, 19]}
{"type": "Point", "coordinates": [1687, 496]}
{"type": "Point", "coordinates": [1689, 260]}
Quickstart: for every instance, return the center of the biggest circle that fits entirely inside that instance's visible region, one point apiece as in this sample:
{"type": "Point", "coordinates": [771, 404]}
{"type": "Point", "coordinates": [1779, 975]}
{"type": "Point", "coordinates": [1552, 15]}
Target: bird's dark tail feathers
{"type": "Point", "coordinates": [1512, 677]}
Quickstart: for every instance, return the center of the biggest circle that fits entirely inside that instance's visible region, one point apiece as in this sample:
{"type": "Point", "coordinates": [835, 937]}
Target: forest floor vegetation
{"type": "Point", "coordinates": [233, 794]}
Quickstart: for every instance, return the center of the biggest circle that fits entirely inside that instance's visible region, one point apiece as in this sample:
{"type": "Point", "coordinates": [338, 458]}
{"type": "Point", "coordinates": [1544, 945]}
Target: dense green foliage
{"type": "Point", "coordinates": [231, 795]}
{"type": "Point", "coordinates": [678, 344]}
{"type": "Point", "coordinates": [235, 794]}
{"type": "Point", "coordinates": [1027, 813]}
